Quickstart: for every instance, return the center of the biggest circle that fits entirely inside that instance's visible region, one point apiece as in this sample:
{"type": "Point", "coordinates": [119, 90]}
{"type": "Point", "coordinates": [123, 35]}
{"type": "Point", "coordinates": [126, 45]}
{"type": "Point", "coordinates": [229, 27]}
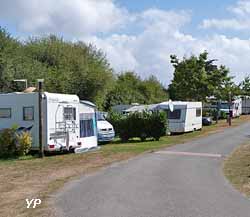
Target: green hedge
{"type": "Point", "coordinates": [139, 124]}
{"type": "Point", "coordinates": [13, 144]}
{"type": "Point", "coordinates": [213, 113]}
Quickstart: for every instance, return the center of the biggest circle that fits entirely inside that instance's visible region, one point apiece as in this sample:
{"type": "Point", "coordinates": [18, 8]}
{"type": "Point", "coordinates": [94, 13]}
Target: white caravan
{"type": "Point", "coordinates": [62, 119]}
{"type": "Point", "coordinates": [185, 117]}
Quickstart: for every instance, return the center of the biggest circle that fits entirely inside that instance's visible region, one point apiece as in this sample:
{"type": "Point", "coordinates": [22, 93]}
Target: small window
{"type": "Point", "coordinates": [176, 114]}
{"type": "Point", "coordinates": [69, 113]}
{"type": "Point", "coordinates": [86, 128]}
{"type": "Point", "coordinates": [198, 112]}
{"type": "Point", "coordinates": [5, 112]}
{"type": "Point", "coordinates": [28, 113]}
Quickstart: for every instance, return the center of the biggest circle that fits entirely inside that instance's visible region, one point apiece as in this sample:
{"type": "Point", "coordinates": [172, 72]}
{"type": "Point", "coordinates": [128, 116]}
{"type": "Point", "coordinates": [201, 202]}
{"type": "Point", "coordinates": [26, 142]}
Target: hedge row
{"type": "Point", "coordinates": [213, 113]}
{"type": "Point", "coordinates": [13, 144]}
{"type": "Point", "coordinates": [139, 124]}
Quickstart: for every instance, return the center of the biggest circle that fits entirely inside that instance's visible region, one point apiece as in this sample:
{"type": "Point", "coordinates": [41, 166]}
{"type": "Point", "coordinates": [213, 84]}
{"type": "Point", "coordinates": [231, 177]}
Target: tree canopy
{"type": "Point", "coordinates": [197, 77]}
{"type": "Point", "coordinates": [71, 67]}
{"type": "Point", "coordinates": [130, 88]}
{"type": "Point", "coordinates": [245, 86]}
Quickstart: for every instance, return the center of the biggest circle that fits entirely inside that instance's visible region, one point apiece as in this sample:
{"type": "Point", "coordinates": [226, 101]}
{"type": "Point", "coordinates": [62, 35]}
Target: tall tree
{"type": "Point", "coordinates": [74, 68]}
{"type": "Point", "coordinates": [196, 78]}
{"type": "Point", "coordinates": [245, 86]}
{"type": "Point", "coordinates": [130, 88]}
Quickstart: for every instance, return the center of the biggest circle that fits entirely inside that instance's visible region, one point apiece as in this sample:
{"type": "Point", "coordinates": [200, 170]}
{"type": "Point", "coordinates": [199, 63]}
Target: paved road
{"type": "Point", "coordinates": [162, 184]}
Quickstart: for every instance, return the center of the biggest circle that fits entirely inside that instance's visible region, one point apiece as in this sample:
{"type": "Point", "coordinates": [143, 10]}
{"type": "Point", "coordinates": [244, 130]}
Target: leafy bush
{"type": "Point", "coordinates": [7, 143]}
{"type": "Point", "coordinates": [223, 115]}
{"type": "Point", "coordinates": [13, 144]}
{"type": "Point", "coordinates": [23, 143]}
{"type": "Point", "coordinates": [139, 124]}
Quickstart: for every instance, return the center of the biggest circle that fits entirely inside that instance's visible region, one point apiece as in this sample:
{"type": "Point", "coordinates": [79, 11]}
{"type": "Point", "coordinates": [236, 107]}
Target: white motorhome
{"type": "Point", "coordinates": [185, 116]}
{"type": "Point", "coordinates": [245, 105]}
{"type": "Point", "coordinates": [64, 119]}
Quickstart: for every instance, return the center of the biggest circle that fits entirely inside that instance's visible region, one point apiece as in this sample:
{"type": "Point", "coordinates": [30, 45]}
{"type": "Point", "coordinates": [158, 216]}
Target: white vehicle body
{"type": "Point", "coordinates": [61, 118]}
{"type": "Point", "coordinates": [185, 117]}
{"type": "Point", "coordinates": [246, 105]}
{"type": "Point", "coordinates": [105, 129]}
{"type": "Point", "coordinates": [235, 107]}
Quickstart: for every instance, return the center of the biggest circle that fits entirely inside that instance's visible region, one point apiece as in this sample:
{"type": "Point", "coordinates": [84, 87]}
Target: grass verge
{"type": "Point", "coordinates": [38, 178]}
{"type": "Point", "coordinates": [237, 169]}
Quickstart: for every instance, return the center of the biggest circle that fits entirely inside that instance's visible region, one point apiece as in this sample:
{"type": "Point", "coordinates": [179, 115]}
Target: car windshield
{"type": "Point", "coordinates": [224, 106]}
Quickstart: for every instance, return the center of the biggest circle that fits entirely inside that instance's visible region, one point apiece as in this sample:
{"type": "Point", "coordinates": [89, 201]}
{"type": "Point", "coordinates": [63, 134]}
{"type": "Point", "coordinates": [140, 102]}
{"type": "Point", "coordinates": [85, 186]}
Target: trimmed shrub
{"type": "Point", "coordinates": [157, 125]}
{"type": "Point", "coordinates": [13, 144]}
{"type": "Point", "coordinates": [139, 124]}
{"type": "Point", "coordinates": [7, 143]}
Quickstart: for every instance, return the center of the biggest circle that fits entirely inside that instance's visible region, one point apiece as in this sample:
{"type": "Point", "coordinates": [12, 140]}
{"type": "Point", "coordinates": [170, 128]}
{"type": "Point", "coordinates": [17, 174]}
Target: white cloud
{"type": "Point", "coordinates": [148, 52]}
{"type": "Point", "coordinates": [72, 18]}
{"type": "Point", "coordinates": [240, 20]}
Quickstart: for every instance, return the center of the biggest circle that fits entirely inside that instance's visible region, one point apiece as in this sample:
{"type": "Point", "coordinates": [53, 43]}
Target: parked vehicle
{"type": "Point", "coordinates": [246, 105]}
{"type": "Point", "coordinates": [235, 107]}
{"type": "Point", "coordinates": [184, 117]}
{"type": "Point", "coordinates": [105, 130]}
{"type": "Point", "coordinates": [206, 121]}
{"type": "Point", "coordinates": [67, 124]}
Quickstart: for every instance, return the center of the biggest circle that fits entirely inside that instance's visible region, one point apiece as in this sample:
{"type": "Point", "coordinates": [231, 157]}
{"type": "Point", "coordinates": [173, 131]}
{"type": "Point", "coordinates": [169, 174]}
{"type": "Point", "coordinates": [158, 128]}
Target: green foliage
{"type": "Point", "coordinates": [213, 112]}
{"type": "Point", "coordinates": [245, 86]}
{"type": "Point", "coordinates": [13, 144]}
{"type": "Point", "coordinates": [196, 78]}
{"type": "Point", "coordinates": [139, 124]}
{"type": "Point", "coordinates": [130, 88]}
{"type": "Point", "coordinates": [223, 115]}
{"type": "Point", "coordinates": [7, 143]}
{"type": "Point", "coordinates": [71, 67]}
{"type": "Point", "coordinates": [23, 143]}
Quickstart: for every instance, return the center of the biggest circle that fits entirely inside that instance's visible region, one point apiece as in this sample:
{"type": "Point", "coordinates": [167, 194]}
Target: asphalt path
{"type": "Point", "coordinates": [185, 180]}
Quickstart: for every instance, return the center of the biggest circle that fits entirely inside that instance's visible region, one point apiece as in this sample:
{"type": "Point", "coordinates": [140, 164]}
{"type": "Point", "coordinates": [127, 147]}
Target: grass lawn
{"type": "Point", "coordinates": [237, 169]}
{"type": "Point", "coordinates": [38, 178]}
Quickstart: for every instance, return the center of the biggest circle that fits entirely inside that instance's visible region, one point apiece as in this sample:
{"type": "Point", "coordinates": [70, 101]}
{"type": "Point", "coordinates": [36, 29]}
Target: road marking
{"type": "Point", "coordinates": [189, 154]}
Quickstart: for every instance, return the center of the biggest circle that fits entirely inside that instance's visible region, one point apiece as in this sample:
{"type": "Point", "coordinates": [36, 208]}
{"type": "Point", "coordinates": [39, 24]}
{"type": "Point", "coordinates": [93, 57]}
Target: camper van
{"type": "Point", "coordinates": [105, 129]}
{"type": "Point", "coordinates": [184, 117]}
{"type": "Point", "coordinates": [67, 124]}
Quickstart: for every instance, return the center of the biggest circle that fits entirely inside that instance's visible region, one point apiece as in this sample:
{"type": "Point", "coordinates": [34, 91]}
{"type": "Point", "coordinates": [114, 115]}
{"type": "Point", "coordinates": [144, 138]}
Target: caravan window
{"type": "Point", "coordinates": [69, 113]}
{"type": "Point", "coordinates": [28, 113]}
{"type": "Point", "coordinates": [5, 112]}
{"type": "Point", "coordinates": [198, 112]}
{"type": "Point", "coordinates": [176, 114]}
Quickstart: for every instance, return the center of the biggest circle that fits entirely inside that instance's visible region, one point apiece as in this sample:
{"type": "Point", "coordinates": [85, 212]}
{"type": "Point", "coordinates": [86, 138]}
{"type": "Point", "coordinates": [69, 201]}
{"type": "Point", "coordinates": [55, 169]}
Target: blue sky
{"type": "Point", "coordinates": [199, 10]}
{"type": "Point", "coordinates": [141, 35]}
